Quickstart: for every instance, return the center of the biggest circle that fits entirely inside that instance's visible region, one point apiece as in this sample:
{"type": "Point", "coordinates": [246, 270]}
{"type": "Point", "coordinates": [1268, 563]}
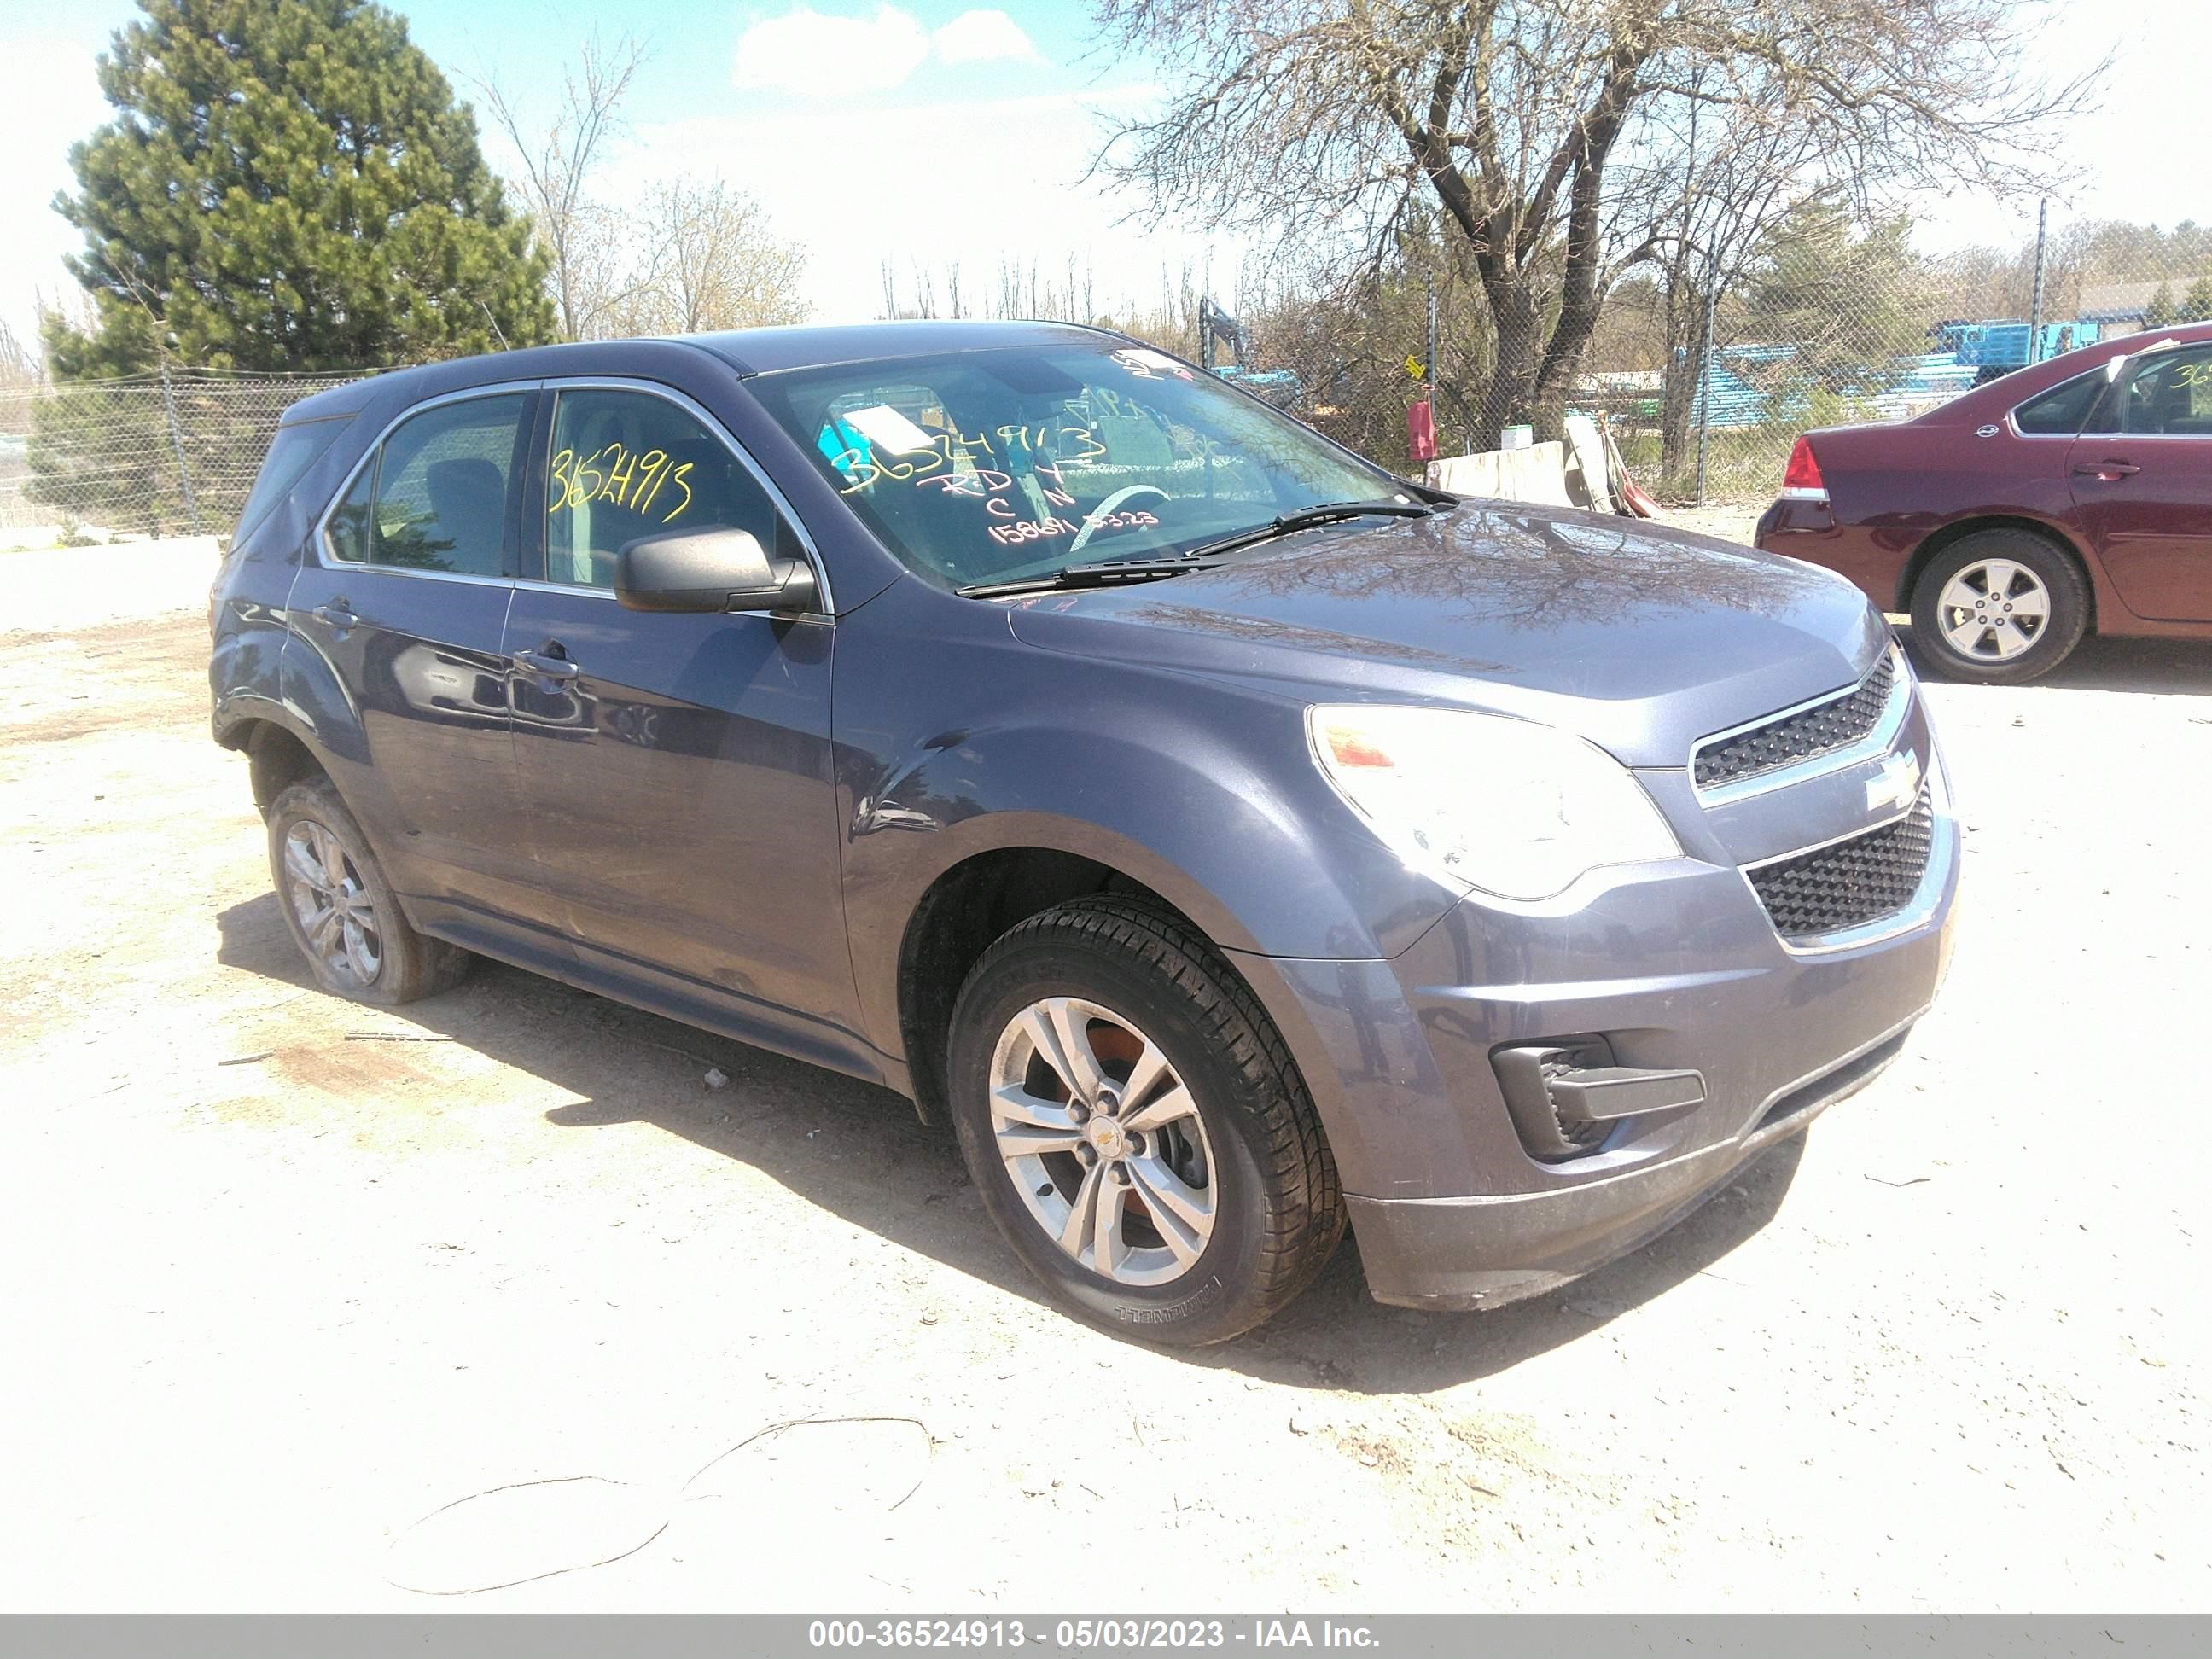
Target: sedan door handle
{"type": "Point", "coordinates": [335, 615]}
{"type": "Point", "coordinates": [2110, 471]}
{"type": "Point", "coordinates": [546, 667]}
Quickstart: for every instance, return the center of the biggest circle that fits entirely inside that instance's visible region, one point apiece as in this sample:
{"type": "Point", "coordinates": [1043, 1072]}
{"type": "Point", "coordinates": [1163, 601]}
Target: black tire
{"type": "Point", "coordinates": [1278, 1212]}
{"type": "Point", "coordinates": [408, 965]}
{"type": "Point", "coordinates": [2066, 619]}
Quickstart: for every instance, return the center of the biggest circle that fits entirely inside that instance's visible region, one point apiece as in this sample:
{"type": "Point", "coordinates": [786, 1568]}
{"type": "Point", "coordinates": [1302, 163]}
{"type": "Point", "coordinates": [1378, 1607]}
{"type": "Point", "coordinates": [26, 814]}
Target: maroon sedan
{"type": "Point", "coordinates": [2073, 495]}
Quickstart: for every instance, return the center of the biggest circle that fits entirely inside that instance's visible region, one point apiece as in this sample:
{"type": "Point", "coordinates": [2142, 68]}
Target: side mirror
{"type": "Point", "coordinates": [710, 570]}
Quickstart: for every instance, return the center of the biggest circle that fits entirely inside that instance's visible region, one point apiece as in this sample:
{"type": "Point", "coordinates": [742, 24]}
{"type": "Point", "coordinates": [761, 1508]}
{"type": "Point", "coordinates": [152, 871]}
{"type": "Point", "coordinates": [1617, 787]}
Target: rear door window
{"type": "Point", "coordinates": [435, 496]}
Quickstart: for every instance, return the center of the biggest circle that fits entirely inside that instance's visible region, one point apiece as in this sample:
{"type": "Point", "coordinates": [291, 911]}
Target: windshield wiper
{"type": "Point", "coordinates": [1110, 572]}
{"type": "Point", "coordinates": [1106, 574]}
{"type": "Point", "coordinates": [1386, 507]}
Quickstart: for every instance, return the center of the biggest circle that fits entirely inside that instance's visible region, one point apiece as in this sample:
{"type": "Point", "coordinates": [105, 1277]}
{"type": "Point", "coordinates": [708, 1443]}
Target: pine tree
{"type": "Point", "coordinates": [288, 184]}
{"type": "Point", "coordinates": [2159, 313]}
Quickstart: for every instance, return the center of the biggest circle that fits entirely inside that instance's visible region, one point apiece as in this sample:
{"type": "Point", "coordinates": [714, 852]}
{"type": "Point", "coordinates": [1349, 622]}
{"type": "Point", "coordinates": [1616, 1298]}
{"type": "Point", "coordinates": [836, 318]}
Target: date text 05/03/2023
{"type": "Point", "coordinates": [1091, 1635]}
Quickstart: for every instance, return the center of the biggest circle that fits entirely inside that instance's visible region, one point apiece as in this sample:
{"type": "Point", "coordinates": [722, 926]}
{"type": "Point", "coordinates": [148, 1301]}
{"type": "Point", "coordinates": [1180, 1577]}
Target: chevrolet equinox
{"type": "Point", "coordinates": [1233, 841]}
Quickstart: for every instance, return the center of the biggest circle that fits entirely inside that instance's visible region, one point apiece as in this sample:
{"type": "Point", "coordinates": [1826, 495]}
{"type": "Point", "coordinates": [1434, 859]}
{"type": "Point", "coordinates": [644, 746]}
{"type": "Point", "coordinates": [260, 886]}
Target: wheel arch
{"type": "Point", "coordinates": [962, 913]}
{"type": "Point", "coordinates": [1951, 534]}
{"type": "Point", "coordinates": [276, 758]}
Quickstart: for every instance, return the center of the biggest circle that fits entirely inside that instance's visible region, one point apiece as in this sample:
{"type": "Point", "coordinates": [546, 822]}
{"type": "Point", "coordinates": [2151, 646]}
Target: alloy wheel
{"type": "Point", "coordinates": [336, 916]}
{"type": "Point", "coordinates": [1103, 1141]}
{"type": "Point", "coordinates": [1993, 610]}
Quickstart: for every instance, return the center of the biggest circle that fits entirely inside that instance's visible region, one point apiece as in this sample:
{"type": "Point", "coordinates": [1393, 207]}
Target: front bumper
{"type": "Point", "coordinates": [1677, 965]}
{"type": "Point", "coordinates": [1456, 1254]}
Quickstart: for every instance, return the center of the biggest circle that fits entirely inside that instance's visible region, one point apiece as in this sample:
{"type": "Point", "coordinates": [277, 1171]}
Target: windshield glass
{"type": "Point", "coordinates": [984, 466]}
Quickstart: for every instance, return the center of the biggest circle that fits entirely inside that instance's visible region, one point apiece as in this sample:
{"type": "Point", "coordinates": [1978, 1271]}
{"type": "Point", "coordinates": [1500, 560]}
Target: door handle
{"type": "Point", "coordinates": [546, 665]}
{"type": "Point", "coordinates": [2110, 471]}
{"type": "Point", "coordinates": [335, 615]}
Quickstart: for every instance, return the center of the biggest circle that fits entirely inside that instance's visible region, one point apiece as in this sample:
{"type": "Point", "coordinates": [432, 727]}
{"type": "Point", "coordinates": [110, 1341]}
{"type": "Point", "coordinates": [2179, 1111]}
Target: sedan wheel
{"type": "Point", "coordinates": [1993, 611]}
{"type": "Point", "coordinates": [2000, 606]}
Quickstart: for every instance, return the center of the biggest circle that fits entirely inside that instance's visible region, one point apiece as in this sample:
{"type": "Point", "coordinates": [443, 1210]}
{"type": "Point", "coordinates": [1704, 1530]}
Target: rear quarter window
{"type": "Point", "coordinates": [2060, 411]}
{"type": "Point", "coordinates": [293, 449]}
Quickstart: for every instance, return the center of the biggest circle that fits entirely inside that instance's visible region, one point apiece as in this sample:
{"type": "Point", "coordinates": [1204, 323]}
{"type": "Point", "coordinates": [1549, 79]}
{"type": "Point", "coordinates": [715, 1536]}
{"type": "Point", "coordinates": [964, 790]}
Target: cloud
{"type": "Point", "coordinates": [1036, 205]}
{"type": "Point", "coordinates": [50, 98]}
{"type": "Point", "coordinates": [809, 54]}
{"type": "Point", "coordinates": [984, 37]}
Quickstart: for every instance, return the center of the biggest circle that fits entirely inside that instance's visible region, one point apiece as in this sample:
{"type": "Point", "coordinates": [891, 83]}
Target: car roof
{"type": "Point", "coordinates": [768, 350]}
{"type": "Point", "coordinates": [750, 351]}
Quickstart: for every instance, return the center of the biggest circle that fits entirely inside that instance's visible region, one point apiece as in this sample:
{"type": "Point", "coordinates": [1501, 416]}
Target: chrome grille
{"type": "Point", "coordinates": [1851, 883]}
{"type": "Point", "coordinates": [1837, 723]}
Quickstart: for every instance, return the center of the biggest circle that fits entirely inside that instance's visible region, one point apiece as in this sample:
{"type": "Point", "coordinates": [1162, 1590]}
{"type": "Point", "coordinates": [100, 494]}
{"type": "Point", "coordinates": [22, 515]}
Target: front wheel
{"type": "Point", "coordinates": [1136, 1127]}
{"type": "Point", "coordinates": [1999, 606]}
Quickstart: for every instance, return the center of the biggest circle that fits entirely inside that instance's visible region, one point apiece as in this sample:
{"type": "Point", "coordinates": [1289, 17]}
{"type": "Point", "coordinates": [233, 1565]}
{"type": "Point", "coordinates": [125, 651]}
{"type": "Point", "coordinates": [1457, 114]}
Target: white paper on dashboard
{"type": "Point", "coordinates": [882, 424]}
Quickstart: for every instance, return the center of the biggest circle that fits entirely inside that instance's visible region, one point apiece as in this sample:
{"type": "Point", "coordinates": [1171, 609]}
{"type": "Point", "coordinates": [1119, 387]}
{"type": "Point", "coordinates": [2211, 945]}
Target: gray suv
{"type": "Point", "coordinates": [1232, 841]}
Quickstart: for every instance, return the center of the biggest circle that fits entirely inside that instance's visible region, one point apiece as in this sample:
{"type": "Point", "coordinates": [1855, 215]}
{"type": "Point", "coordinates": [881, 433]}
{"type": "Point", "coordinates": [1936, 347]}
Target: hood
{"type": "Point", "coordinates": [1640, 638]}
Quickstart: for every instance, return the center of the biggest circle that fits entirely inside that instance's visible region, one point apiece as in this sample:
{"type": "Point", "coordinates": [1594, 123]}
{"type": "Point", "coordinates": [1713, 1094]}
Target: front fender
{"type": "Point", "coordinates": [1202, 790]}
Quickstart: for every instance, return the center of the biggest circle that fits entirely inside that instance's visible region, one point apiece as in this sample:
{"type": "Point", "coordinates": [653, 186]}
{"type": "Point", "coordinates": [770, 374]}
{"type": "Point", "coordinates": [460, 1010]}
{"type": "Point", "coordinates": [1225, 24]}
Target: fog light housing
{"type": "Point", "coordinates": [1566, 1095]}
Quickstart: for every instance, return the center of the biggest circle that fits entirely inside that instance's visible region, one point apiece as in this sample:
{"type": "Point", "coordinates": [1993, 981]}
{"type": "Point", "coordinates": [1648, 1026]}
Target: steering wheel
{"type": "Point", "coordinates": [1114, 501]}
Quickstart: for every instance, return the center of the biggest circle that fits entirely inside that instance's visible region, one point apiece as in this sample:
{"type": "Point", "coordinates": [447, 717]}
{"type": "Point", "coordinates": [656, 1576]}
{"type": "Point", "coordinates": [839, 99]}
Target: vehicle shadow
{"type": "Point", "coordinates": [858, 1151]}
{"type": "Point", "coordinates": [2176, 667]}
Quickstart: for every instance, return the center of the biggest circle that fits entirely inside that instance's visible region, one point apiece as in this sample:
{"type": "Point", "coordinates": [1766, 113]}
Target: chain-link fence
{"type": "Point", "coordinates": [167, 454]}
{"type": "Point", "coordinates": [1707, 387]}
{"type": "Point", "coordinates": [1704, 376]}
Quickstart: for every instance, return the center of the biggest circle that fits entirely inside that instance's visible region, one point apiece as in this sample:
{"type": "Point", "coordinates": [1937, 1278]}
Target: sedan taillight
{"type": "Point", "coordinates": [1801, 481]}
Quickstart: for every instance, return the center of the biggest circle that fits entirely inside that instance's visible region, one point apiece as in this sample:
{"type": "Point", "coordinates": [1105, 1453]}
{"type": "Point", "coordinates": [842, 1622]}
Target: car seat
{"type": "Point", "coordinates": [469, 498]}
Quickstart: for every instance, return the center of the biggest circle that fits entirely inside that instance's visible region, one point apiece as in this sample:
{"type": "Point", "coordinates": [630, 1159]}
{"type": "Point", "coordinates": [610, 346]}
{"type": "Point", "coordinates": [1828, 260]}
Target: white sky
{"type": "Point", "coordinates": [871, 130]}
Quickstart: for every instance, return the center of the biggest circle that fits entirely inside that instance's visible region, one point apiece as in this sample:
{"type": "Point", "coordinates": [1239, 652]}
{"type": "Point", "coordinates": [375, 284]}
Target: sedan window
{"type": "Point", "coordinates": [2060, 411]}
{"type": "Point", "coordinates": [2170, 394]}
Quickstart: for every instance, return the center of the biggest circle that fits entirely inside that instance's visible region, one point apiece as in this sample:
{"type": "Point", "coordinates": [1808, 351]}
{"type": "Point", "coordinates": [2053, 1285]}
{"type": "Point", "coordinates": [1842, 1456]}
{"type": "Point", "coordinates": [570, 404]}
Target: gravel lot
{"type": "Point", "coordinates": [285, 1276]}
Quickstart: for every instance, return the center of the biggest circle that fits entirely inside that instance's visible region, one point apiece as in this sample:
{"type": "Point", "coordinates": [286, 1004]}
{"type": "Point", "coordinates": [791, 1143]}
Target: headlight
{"type": "Point", "coordinates": [1504, 806]}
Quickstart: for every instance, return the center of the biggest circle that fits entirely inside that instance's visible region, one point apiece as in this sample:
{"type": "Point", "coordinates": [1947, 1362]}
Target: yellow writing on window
{"type": "Point", "coordinates": [617, 474]}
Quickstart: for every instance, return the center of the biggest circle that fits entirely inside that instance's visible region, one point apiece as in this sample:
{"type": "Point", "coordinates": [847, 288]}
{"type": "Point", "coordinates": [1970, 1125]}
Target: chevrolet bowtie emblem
{"type": "Point", "coordinates": [1896, 787]}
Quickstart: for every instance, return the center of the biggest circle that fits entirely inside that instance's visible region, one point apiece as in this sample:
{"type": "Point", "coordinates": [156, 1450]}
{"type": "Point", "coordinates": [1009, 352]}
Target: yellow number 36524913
{"type": "Point", "coordinates": [616, 474]}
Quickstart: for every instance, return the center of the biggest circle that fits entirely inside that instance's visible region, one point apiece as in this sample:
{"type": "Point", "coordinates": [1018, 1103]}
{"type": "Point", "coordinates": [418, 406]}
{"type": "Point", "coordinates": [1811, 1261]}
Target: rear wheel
{"type": "Point", "coordinates": [1999, 606]}
{"type": "Point", "coordinates": [1136, 1127]}
{"type": "Point", "coordinates": [341, 911]}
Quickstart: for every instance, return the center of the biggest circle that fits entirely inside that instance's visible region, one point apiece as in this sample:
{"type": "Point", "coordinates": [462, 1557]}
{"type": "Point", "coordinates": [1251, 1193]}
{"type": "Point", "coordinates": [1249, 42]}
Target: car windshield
{"type": "Point", "coordinates": [979, 467]}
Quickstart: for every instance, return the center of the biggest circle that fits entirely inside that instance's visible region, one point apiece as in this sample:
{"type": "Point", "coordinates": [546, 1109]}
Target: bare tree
{"type": "Point", "coordinates": [23, 372]}
{"type": "Point", "coordinates": [1504, 116]}
{"type": "Point", "coordinates": [581, 237]}
{"type": "Point", "coordinates": [1712, 180]}
{"type": "Point", "coordinates": [1022, 291]}
{"type": "Point", "coordinates": [19, 362]}
{"type": "Point", "coordinates": [712, 261]}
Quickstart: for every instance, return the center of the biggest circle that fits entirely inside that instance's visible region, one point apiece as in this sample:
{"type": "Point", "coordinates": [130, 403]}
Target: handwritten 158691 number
{"type": "Point", "coordinates": [1030, 530]}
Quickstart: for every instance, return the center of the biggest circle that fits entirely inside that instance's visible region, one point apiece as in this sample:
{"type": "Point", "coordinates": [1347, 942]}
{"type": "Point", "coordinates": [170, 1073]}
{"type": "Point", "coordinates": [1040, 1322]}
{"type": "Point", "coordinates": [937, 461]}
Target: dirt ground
{"type": "Point", "coordinates": [285, 1278]}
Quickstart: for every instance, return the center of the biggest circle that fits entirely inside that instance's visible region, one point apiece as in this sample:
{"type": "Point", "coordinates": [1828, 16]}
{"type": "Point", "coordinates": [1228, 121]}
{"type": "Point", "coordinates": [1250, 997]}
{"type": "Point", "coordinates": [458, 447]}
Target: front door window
{"type": "Point", "coordinates": [627, 464]}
